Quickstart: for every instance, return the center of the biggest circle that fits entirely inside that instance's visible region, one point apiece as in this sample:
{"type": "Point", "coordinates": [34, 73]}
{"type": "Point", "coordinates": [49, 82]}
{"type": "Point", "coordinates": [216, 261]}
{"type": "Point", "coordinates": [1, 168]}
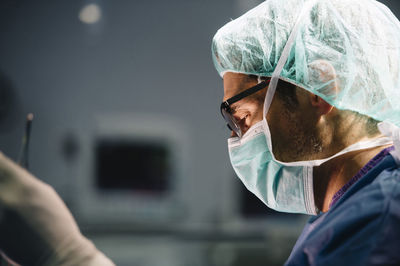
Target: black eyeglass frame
{"type": "Point", "coordinates": [226, 109]}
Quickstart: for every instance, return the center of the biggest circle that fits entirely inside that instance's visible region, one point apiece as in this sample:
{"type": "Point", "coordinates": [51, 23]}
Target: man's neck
{"type": "Point", "coordinates": [331, 176]}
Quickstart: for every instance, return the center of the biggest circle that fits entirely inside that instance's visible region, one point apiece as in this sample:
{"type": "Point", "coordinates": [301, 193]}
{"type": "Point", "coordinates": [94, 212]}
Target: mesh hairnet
{"type": "Point", "coordinates": [345, 51]}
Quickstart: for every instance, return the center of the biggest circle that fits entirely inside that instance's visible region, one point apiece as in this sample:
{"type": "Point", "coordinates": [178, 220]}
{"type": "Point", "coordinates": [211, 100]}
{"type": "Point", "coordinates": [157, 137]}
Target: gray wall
{"type": "Point", "coordinates": [144, 57]}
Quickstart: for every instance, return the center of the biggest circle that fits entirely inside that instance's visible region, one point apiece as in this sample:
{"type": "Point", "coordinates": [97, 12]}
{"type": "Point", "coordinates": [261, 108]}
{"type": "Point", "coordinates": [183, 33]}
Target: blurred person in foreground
{"type": "Point", "coordinates": [36, 228]}
{"type": "Point", "coordinates": [311, 96]}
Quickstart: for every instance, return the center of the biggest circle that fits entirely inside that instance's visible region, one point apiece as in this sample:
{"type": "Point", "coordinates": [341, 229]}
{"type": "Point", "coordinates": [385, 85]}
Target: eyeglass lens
{"type": "Point", "coordinates": [230, 120]}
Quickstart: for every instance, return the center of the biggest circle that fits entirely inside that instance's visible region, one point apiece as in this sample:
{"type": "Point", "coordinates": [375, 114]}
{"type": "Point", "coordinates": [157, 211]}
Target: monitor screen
{"type": "Point", "coordinates": [132, 165]}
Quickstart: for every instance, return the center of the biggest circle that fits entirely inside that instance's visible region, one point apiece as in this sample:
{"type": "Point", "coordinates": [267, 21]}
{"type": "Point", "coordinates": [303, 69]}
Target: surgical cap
{"type": "Point", "coordinates": [345, 51]}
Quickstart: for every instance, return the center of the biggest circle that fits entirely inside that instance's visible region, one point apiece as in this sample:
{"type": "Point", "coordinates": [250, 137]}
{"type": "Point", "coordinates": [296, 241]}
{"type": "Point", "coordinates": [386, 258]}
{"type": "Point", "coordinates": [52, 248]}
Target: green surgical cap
{"type": "Point", "coordinates": [345, 51]}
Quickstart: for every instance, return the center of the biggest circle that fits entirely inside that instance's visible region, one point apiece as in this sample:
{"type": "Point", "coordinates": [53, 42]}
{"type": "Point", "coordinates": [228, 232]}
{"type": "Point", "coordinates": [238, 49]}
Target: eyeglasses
{"type": "Point", "coordinates": [226, 110]}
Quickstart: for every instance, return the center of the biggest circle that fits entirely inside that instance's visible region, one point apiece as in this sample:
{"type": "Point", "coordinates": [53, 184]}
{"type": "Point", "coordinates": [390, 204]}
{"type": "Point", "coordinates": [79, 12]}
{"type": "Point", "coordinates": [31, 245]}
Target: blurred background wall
{"type": "Point", "coordinates": [127, 128]}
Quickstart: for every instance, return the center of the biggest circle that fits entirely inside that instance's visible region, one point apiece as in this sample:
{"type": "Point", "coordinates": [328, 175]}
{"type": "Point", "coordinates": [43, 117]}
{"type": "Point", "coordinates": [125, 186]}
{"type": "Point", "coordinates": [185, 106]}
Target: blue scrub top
{"type": "Point", "coordinates": [361, 228]}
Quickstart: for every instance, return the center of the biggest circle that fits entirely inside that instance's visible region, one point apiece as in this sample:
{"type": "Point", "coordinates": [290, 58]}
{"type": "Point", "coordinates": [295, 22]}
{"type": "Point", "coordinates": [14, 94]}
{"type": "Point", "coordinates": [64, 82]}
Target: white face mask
{"type": "Point", "coordinates": [282, 186]}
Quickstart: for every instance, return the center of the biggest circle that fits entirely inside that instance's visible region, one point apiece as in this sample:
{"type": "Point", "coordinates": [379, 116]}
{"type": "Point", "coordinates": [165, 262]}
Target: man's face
{"type": "Point", "coordinates": [248, 110]}
{"type": "Point", "coordinates": [292, 129]}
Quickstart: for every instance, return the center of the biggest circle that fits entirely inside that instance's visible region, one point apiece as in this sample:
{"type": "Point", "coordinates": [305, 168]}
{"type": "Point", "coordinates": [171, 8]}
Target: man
{"type": "Point", "coordinates": [306, 84]}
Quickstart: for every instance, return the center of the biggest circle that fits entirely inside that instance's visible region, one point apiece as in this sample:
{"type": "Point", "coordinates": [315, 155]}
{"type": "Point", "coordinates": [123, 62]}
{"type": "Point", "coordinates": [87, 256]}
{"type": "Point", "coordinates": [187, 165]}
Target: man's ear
{"type": "Point", "coordinates": [321, 71]}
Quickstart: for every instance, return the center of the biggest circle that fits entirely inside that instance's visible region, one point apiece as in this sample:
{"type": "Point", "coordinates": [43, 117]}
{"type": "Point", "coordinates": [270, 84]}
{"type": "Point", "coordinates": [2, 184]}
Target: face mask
{"type": "Point", "coordinates": [282, 186]}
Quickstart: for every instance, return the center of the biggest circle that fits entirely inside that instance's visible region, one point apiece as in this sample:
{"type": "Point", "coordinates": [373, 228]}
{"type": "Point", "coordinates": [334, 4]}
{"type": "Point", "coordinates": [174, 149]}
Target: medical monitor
{"type": "Point", "coordinates": [132, 171]}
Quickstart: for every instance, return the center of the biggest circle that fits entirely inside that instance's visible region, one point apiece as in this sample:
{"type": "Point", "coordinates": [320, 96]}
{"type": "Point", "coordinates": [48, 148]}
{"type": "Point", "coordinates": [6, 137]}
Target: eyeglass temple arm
{"type": "Point", "coordinates": [246, 93]}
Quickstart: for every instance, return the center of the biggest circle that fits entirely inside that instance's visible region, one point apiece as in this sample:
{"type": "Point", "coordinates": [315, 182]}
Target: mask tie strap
{"type": "Point", "coordinates": [284, 56]}
{"type": "Point", "coordinates": [390, 130]}
{"type": "Point", "coordinates": [280, 65]}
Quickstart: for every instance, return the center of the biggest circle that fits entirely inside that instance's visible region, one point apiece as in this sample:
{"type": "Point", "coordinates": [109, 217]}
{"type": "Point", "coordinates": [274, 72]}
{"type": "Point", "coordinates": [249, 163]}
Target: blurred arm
{"type": "Point", "coordinates": [36, 227]}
